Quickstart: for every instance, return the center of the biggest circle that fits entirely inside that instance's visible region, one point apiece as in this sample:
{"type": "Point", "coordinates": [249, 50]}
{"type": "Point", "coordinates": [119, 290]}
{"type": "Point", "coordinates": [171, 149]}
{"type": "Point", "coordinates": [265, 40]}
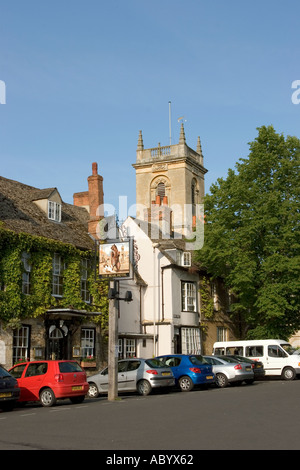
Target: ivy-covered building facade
{"type": "Point", "coordinates": [52, 304]}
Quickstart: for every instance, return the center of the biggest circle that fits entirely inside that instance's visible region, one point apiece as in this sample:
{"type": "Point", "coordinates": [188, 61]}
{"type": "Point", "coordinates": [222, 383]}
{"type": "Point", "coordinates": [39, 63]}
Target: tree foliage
{"type": "Point", "coordinates": [252, 236]}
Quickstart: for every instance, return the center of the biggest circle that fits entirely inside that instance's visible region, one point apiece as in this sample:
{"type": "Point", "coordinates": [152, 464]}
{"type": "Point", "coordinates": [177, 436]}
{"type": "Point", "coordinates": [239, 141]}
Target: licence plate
{"type": "Point", "coordinates": [258, 366]}
{"type": "Point", "coordinates": [79, 387]}
{"type": "Point", "coordinates": [248, 368]}
{"type": "Point", "coordinates": [209, 377]}
{"type": "Point", "coordinates": [166, 373]}
{"type": "Point", "coordinates": [5, 395]}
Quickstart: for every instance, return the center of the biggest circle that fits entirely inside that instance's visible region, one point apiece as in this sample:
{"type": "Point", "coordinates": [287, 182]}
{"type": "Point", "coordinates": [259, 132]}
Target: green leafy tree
{"type": "Point", "coordinates": [252, 237]}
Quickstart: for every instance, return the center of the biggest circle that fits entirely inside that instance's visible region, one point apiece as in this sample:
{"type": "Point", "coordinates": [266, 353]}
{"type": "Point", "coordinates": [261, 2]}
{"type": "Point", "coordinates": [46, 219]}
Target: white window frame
{"type": "Point", "coordinates": [186, 258]}
{"type": "Point", "coordinates": [127, 348]}
{"type": "Point", "coordinates": [88, 342]}
{"type": "Point", "coordinates": [222, 333]}
{"type": "Point", "coordinates": [190, 341]}
{"type": "Point", "coordinates": [85, 293]}
{"type": "Point", "coordinates": [26, 273]}
{"type": "Point", "coordinates": [120, 347]}
{"type": "Point", "coordinates": [54, 211]}
{"type": "Point", "coordinates": [21, 337]}
{"type": "Point", "coordinates": [57, 275]}
{"type": "Point", "coordinates": [188, 296]}
{"type": "Point", "coordinates": [130, 347]}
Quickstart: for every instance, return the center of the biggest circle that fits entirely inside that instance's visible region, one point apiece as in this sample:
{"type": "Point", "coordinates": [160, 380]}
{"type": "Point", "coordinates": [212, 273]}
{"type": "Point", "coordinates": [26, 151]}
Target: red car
{"type": "Point", "coordinates": [48, 381]}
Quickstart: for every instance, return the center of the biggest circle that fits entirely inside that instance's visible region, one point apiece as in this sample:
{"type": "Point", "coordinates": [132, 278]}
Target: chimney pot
{"type": "Point", "coordinates": [95, 168]}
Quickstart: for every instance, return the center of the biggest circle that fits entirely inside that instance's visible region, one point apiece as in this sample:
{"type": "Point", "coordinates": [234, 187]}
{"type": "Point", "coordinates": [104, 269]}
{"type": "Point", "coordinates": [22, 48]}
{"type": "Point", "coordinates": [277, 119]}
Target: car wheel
{"type": "Point", "coordinates": [93, 391]}
{"type": "Point", "coordinates": [143, 387]}
{"type": "Point", "coordinates": [78, 399]}
{"type": "Point", "coordinates": [186, 384]}
{"type": "Point", "coordinates": [221, 380]}
{"type": "Point", "coordinates": [47, 397]}
{"type": "Point", "coordinates": [288, 373]}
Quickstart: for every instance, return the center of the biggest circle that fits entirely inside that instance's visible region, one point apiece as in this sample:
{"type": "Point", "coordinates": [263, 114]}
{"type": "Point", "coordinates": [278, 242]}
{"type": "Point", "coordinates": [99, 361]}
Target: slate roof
{"type": "Point", "coordinates": [19, 213]}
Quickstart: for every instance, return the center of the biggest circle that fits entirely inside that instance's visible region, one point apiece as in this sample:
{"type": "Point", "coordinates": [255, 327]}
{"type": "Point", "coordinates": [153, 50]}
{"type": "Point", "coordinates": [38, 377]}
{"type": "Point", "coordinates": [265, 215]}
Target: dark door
{"type": "Point", "coordinates": [57, 344]}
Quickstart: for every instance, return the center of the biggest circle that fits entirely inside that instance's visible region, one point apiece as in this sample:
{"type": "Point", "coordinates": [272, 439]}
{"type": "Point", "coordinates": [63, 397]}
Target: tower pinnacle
{"type": "Point", "coordinates": [140, 145]}
{"type": "Point", "coordinates": [182, 135]}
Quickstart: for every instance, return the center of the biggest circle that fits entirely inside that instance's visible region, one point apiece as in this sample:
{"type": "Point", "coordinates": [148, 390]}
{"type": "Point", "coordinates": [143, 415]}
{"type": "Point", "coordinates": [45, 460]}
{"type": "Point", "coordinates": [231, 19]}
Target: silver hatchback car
{"type": "Point", "coordinates": [141, 375]}
{"type": "Point", "coordinates": [229, 370]}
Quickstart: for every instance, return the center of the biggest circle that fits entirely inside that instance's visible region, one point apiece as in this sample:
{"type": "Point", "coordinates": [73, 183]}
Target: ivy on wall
{"type": "Point", "coordinates": [207, 303]}
{"type": "Point", "coordinates": [16, 306]}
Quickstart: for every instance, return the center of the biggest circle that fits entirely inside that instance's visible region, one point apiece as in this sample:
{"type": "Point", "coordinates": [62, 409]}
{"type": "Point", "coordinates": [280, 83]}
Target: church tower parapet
{"type": "Point", "coordinates": [169, 180]}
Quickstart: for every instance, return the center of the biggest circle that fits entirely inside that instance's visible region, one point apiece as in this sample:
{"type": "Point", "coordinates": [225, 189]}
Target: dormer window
{"type": "Point", "coordinates": [50, 202]}
{"type": "Point", "coordinates": [184, 258]}
{"type": "Point", "coordinates": [54, 211]}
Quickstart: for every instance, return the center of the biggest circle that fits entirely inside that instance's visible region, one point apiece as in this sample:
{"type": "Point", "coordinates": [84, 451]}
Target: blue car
{"type": "Point", "coordinates": [189, 370]}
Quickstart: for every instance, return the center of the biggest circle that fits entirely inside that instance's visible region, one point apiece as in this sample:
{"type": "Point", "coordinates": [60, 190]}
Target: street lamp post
{"type": "Point", "coordinates": [113, 345]}
{"type": "Point", "coordinates": [155, 294]}
{"type": "Point", "coordinates": [113, 349]}
{"type": "Point", "coordinates": [115, 263]}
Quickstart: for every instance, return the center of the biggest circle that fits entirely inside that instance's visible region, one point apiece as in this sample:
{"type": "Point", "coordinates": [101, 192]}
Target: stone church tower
{"type": "Point", "coordinates": [169, 183]}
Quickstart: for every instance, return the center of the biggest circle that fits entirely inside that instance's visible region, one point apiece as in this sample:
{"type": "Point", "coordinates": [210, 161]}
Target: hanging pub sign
{"type": "Point", "coordinates": [115, 259]}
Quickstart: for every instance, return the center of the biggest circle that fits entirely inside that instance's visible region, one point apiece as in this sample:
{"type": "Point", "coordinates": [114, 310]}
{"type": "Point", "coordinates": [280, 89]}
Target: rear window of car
{"type": "Point", "coordinates": [155, 363]}
{"type": "Point", "coordinates": [198, 360]}
{"type": "Point", "coordinates": [65, 367]}
{"type": "Point", "coordinates": [229, 359]}
{"type": "Point", "coordinates": [243, 359]}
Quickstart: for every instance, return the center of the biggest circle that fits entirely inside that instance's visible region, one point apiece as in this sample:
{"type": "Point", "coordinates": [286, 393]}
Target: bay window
{"type": "Point", "coordinates": [188, 297]}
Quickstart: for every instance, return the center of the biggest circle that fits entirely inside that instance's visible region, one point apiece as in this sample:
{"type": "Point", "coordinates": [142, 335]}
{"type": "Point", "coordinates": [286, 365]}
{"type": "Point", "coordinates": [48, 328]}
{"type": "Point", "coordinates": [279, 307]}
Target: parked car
{"type": "Point", "coordinates": [257, 366]}
{"type": "Point", "coordinates": [189, 370]}
{"type": "Point", "coordinates": [9, 390]}
{"type": "Point", "coordinates": [141, 375]}
{"type": "Point", "coordinates": [48, 381]}
{"type": "Point", "coordinates": [230, 371]}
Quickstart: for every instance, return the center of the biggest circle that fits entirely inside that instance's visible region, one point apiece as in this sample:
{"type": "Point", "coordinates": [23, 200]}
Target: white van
{"type": "Point", "coordinates": [277, 356]}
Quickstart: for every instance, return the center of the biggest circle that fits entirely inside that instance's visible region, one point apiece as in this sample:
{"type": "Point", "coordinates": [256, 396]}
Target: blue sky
{"type": "Point", "coordinates": [82, 78]}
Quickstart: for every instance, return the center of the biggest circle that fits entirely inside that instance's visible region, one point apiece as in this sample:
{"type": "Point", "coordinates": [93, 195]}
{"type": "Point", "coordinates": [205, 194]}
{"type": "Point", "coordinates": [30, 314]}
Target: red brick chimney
{"type": "Point", "coordinates": [92, 199]}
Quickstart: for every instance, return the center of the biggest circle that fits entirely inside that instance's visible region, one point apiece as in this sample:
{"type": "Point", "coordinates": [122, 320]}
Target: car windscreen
{"type": "Point", "coordinates": [155, 363]}
{"type": "Point", "coordinates": [289, 349]}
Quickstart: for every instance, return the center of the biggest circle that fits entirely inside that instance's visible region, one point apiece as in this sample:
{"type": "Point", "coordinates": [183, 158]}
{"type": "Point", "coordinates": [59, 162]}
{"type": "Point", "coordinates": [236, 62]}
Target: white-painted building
{"type": "Point", "coordinates": [164, 315]}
